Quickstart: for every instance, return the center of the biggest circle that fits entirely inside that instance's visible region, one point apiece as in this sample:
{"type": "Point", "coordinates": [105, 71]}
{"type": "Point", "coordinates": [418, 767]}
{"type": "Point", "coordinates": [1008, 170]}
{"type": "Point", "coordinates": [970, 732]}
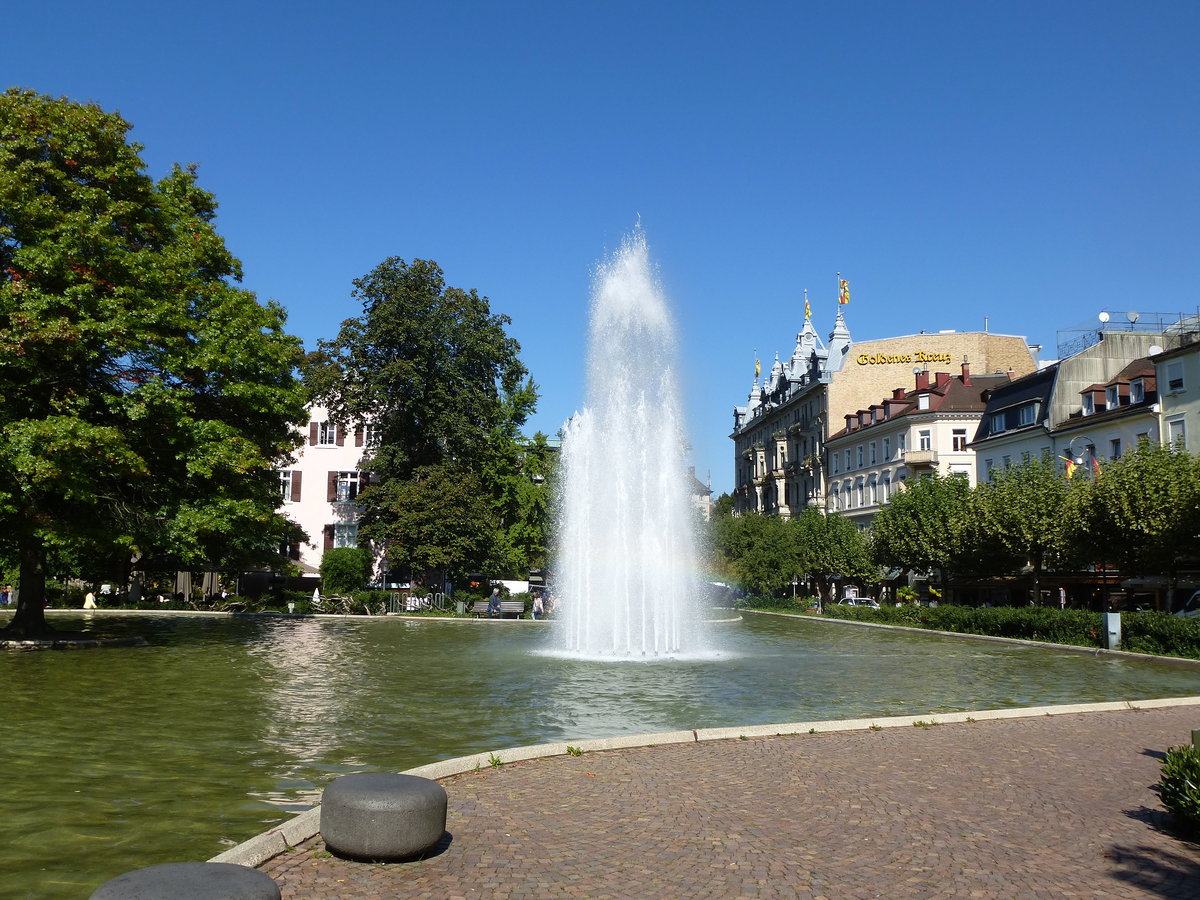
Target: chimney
{"type": "Point", "coordinates": [898, 393]}
{"type": "Point", "coordinates": [849, 421]}
{"type": "Point", "coordinates": [966, 373]}
{"type": "Point", "coordinates": [1011, 374]}
{"type": "Point", "coordinates": [923, 380]}
{"type": "Point", "coordinates": [943, 379]}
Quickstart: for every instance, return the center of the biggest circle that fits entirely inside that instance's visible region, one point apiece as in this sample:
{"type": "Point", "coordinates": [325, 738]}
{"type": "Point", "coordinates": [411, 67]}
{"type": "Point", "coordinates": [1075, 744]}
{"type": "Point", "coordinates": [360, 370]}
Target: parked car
{"type": "Point", "coordinates": [858, 601]}
{"type": "Point", "coordinates": [1191, 609]}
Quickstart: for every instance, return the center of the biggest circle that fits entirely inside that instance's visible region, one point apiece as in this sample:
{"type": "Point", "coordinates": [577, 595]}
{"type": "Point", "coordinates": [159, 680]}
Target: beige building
{"type": "Point", "coordinates": [923, 430]}
{"type": "Point", "coordinates": [780, 462]}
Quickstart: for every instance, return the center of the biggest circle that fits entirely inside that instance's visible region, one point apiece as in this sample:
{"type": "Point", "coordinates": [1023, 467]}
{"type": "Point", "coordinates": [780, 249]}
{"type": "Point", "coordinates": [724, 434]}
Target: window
{"type": "Point", "coordinates": [925, 438]}
{"type": "Point", "coordinates": [1115, 448]}
{"type": "Point", "coordinates": [373, 434]}
{"type": "Point", "coordinates": [1177, 432]}
{"type": "Point", "coordinates": [901, 443]}
{"type": "Point", "coordinates": [846, 459]}
{"type": "Point", "coordinates": [989, 466]}
{"type": "Point", "coordinates": [885, 490]}
{"type": "Point", "coordinates": [923, 401]}
{"type": "Point", "coordinates": [834, 496]}
{"type": "Point", "coordinates": [872, 452]}
{"type": "Point", "coordinates": [860, 487]}
{"type": "Point", "coordinates": [873, 489]}
{"type": "Point", "coordinates": [833, 458]}
{"type": "Point", "coordinates": [1089, 403]}
{"type": "Point", "coordinates": [343, 486]}
{"type": "Point", "coordinates": [285, 484]}
{"type": "Point", "coordinates": [997, 423]}
{"type": "Point", "coordinates": [1027, 414]}
{"type": "Point", "coordinates": [345, 534]}
{"type": "Point", "coordinates": [326, 434]}
{"type": "Point", "coordinates": [887, 448]}
{"type": "Point", "coordinates": [1137, 390]}
{"type": "Point", "coordinates": [960, 439]}
{"type": "Point", "coordinates": [1024, 456]}
{"type": "Point", "coordinates": [860, 455]}
{"type": "Point", "coordinates": [1112, 398]}
{"type": "Point", "coordinates": [1007, 462]}
{"type": "Point", "coordinates": [1175, 376]}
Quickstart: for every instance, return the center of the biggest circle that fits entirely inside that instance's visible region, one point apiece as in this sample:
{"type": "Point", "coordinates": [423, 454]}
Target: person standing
{"type": "Point", "coordinates": [538, 607]}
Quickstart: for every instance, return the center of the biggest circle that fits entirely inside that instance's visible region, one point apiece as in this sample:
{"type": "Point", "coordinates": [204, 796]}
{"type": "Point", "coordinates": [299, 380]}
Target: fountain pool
{"type": "Point", "coordinates": [126, 757]}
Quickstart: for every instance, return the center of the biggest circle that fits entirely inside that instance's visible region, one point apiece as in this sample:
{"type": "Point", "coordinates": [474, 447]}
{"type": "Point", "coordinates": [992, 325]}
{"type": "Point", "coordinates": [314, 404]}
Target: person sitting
{"type": "Point", "coordinates": [493, 607]}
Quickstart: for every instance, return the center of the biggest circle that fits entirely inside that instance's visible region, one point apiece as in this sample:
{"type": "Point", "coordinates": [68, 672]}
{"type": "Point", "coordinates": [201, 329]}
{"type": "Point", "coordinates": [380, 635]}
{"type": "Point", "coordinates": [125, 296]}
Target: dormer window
{"type": "Point", "coordinates": [1027, 414]}
{"type": "Point", "coordinates": [1089, 404]}
{"type": "Point", "coordinates": [1137, 390]}
{"type": "Point", "coordinates": [923, 401]}
{"type": "Point", "coordinates": [1112, 398]}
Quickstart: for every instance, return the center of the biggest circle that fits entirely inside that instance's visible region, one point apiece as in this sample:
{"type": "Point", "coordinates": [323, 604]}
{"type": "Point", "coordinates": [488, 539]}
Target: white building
{"type": "Point", "coordinates": [924, 430]}
{"type": "Point", "coordinates": [319, 488]}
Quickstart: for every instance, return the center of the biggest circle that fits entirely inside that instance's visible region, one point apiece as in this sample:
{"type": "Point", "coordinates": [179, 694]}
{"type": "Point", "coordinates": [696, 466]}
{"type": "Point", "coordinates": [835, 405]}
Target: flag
{"type": "Point", "coordinates": [807, 308]}
{"type": "Point", "coordinates": [757, 368]}
{"type": "Point", "coordinates": [843, 291]}
{"type": "Point", "coordinates": [1095, 461]}
{"type": "Point", "coordinates": [1070, 465]}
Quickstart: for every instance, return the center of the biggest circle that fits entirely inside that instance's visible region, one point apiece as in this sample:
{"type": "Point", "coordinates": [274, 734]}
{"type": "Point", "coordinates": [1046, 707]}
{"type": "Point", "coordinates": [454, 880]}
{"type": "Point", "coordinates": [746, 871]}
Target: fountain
{"type": "Point", "coordinates": [626, 567]}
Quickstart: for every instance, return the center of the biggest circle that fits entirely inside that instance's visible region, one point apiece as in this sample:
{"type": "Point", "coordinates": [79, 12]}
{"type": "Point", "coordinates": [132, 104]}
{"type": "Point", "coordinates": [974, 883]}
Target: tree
{"type": "Point", "coordinates": [758, 550]}
{"type": "Point", "coordinates": [1143, 512]}
{"type": "Point", "coordinates": [1020, 518]}
{"type": "Point", "coordinates": [436, 370]}
{"type": "Point", "coordinates": [345, 570]}
{"type": "Point", "coordinates": [831, 546]}
{"type": "Point", "coordinates": [145, 400]}
{"type": "Point", "coordinates": [922, 526]}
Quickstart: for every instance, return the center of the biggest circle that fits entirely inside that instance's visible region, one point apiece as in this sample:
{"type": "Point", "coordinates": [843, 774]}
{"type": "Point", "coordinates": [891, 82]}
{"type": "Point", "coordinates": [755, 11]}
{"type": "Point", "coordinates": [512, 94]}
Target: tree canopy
{"type": "Point", "coordinates": [436, 370]}
{"type": "Point", "coordinates": [145, 399]}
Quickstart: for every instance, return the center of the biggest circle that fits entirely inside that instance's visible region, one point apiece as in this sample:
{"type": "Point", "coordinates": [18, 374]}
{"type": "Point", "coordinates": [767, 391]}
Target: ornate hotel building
{"type": "Point", "coordinates": [781, 459]}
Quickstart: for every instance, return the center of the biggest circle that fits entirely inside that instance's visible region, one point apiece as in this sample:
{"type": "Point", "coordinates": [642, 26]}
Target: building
{"type": "Point", "coordinates": [923, 430]}
{"type": "Point", "coordinates": [1178, 376]}
{"type": "Point", "coordinates": [1082, 410]}
{"type": "Point", "coordinates": [320, 486]}
{"type": "Point", "coordinates": [779, 435]}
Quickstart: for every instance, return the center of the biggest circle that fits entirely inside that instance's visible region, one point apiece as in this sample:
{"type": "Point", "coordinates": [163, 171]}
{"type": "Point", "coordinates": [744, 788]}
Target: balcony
{"type": "Point", "coordinates": [920, 459]}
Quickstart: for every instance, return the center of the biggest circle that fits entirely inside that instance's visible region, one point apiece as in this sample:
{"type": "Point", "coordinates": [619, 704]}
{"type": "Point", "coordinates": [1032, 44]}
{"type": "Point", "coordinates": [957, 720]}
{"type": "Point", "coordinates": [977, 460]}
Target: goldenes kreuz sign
{"type": "Point", "coordinates": [884, 359]}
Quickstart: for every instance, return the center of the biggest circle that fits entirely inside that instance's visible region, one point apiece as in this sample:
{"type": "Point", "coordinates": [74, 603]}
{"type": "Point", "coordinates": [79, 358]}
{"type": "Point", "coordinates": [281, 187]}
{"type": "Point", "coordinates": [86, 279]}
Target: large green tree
{"type": "Point", "coordinates": [436, 370]}
{"type": "Point", "coordinates": [1021, 518]}
{"type": "Point", "coordinates": [831, 546]}
{"type": "Point", "coordinates": [145, 399]}
{"type": "Point", "coordinates": [923, 527]}
{"type": "Point", "coordinates": [759, 551]}
{"type": "Point", "coordinates": [1143, 512]}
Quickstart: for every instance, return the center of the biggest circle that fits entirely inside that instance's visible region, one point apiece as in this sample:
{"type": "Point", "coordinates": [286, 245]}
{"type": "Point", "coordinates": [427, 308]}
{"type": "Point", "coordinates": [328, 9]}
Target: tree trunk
{"type": "Point", "coordinates": [29, 621]}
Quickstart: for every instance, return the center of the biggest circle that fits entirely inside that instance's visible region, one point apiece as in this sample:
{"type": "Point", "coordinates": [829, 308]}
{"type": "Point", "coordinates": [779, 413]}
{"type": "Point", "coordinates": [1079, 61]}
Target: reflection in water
{"type": "Point", "coordinates": [121, 758]}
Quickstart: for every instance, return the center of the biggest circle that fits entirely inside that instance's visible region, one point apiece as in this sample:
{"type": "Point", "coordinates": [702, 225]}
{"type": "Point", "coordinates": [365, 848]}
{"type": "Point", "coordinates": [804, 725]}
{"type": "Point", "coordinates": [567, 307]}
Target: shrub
{"type": "Point", "coordinates": [345, 570]}
{"type": "Point", "coordinates": [1180, 786]}
{"type": "Point", "coordinates": [1161, 633]}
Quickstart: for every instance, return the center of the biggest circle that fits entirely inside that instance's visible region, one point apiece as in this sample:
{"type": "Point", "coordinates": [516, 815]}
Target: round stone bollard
{"type": "Point", "coordinates": [190, 881]}
{"type": "Point", "coordinates": [382, 816]}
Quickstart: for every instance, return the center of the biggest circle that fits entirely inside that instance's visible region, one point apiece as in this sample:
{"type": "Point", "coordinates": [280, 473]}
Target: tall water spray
{"type": "Point", "coordinates": [626, 567]}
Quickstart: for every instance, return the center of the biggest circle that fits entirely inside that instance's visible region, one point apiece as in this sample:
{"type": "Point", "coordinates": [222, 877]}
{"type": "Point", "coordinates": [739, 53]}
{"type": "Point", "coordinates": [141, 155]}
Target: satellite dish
{"type": "Point", "coordinates": [1154, 348]}
{"type": "Point", "coordinates": [1131, 316]}
{"type": "Point", "coordinates": [1103, 317]}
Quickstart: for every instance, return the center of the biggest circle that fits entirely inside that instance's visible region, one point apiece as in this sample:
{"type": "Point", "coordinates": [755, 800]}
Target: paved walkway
{"type": "Point", "coordinates": [1052, 806]}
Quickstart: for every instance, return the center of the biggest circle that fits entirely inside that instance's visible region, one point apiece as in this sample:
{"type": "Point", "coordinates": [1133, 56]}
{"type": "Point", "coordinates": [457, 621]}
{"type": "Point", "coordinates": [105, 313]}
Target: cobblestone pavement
{"type": "Point", "coordinates": [1052, 806]}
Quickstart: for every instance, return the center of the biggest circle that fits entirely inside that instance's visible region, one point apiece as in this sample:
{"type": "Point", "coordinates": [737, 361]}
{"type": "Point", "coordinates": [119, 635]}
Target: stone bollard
{"type": "Point", "coordinates": [190, 881]}
{"type": "Point", "coordinates": [382, 816]}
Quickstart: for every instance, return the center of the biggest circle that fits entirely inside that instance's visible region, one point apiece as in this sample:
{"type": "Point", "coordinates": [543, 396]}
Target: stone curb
{"type": "Point", "coordinates": [1074, 648]}
{"type": "Point", "coordinates": [257, 850]}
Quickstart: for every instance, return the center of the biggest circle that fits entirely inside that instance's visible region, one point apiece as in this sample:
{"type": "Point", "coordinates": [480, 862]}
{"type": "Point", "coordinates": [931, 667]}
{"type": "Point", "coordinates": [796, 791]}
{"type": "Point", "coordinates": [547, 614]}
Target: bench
{"type": "Point", "coordinates": [507, 608]}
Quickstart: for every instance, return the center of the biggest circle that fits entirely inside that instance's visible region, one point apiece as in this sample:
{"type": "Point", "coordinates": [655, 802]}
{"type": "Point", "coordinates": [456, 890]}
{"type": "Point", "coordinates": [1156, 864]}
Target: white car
{"type": "Point", "coordinates": [1191, 609]}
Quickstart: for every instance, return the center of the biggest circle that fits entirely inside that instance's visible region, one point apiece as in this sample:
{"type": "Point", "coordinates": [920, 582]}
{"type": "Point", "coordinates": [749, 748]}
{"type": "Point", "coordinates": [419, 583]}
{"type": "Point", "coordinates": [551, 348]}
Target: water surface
{"type": "Point", "coordinates": [120, 758]}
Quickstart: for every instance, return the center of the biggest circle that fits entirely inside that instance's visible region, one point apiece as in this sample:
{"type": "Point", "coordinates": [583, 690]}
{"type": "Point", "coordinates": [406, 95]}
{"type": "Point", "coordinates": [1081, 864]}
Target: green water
{"type": "Point", "coordinates": [119, 758]}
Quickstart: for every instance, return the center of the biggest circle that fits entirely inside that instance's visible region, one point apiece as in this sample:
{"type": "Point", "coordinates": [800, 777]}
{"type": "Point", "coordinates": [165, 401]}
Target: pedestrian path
{"type": "Point", "coordinates": [1048, 806]}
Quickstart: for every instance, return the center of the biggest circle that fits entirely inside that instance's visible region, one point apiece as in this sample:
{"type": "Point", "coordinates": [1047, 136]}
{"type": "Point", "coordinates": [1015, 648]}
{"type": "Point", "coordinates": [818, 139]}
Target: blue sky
{"type": "Point", "coordinates": [1027, 162]}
